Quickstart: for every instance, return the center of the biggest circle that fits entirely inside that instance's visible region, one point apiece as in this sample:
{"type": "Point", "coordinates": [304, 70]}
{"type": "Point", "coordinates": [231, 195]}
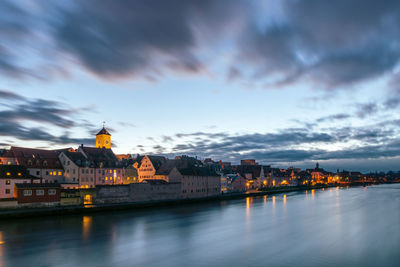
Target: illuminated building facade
{"type": "Point", "coordinates": [103, 139]}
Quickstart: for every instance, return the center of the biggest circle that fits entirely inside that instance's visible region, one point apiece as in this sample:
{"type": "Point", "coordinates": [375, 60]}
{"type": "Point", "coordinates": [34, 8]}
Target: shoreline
{"type": "Point", "coordinates": [81, 209]}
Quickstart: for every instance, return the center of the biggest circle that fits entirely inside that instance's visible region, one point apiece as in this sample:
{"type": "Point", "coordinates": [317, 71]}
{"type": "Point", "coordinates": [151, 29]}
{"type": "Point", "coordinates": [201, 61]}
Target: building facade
{"type": "Point", "coordinates": [11, 175]}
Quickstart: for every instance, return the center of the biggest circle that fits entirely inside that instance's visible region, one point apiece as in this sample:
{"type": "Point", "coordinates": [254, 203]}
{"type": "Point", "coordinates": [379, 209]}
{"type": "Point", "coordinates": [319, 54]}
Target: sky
{"type": "Point", "coordinates": [286, 82]}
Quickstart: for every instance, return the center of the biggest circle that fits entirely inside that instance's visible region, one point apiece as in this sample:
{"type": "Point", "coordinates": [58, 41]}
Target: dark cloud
{"type": "Point", "coordinates": [331, 43]}
{"type": "Point", "coordinates": [9, 95]}
{"type": "Point", "coordinates": [137, 37]}
{"type": "Point", "coordinates": [296, 144]}
{"type": "Point", "coordinates": [367, 109]}
{"type": "Point", "coordinates": [20, 112]}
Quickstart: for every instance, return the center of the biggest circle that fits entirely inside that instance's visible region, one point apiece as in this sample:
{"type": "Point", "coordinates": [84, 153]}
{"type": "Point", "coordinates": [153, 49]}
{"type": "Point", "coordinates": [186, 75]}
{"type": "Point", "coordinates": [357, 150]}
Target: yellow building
{"type": "Point", "coordinates": [103, 139]}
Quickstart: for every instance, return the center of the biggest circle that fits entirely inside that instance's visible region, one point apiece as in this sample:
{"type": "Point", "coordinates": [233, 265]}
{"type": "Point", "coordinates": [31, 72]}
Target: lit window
{"type": "Point", "coordinates": [51, 173]}
{"type": "Point", "coordinates": [106, 178]}
{"type": "Point", "coordinates": [19, 174]}
{"type": "Point", "coordinates": [8, 174]}
{"type": "Point", "coordinates": [8, 182]}
{"type": "Point", "coordinates": [59, 173]}
{"type": "Point", "coordinates": [27, 192]}
{"type": "Point", "coordinates": [40, 192]}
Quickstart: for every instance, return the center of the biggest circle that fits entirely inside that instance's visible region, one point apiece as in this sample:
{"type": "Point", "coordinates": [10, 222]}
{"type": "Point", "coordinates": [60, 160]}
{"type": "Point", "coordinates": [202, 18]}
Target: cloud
{"type": "Point", "coordinates": [137, 37]}
{"type": "Point", "coordinates": [335, 117]}
{"type": "Point", "coordinates": [18, 112]}
{"type": "Point", "coordinates": [333, 44]}
{"type": "Point", "coordinates": [299, 145]}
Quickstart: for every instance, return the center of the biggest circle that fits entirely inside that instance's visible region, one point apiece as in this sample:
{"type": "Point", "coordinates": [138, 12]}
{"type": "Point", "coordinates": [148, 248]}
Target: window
{"type": "Point", "coordinates": [19, 174]}
{"type": "Point", "coordinates": [27, 192]}
{"type": "Point", "coordinates": [45, 163]}
{"type": "Point", "coordinates": [8, 182]}
{"type": "Point", "coordinates": [39, 192]}
{"type": "Point", "coordinates": [73, 171]}
{"type": "Point", "coordinates": [37, 172]}
{"type": "Point", "coordinates": [47, 173]}
{"type": "Point", "coordinates": [8, 173]}
{"type": "Point", "coordinates": [83, 171]}
{"type": "Point", "coordinates": [52, 192]}
{"type": "Point", "coordinates": [7, 191]}
{"type": "Point", "coordinates": [59, 173]}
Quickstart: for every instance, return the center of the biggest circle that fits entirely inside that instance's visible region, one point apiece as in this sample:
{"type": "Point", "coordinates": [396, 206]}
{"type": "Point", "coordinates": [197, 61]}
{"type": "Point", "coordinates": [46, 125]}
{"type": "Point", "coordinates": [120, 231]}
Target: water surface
{"type": "Point", "coordinates": [332, 227]}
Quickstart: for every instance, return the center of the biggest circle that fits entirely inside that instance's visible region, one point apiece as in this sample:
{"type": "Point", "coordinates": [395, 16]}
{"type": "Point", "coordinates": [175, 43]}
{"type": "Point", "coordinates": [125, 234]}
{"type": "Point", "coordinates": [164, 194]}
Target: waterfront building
{"type": "Point", "coordinates": [131, 174]}
{"type": "Point", "coordinates": [319, 175]}
{"type": "Point", "coordinates": [253, 174]}
{"type": "Point", "coordinates": [11, 175]}
{"type": "Point", "coordinates": [196, 179]}
{"type": "Point", "coordinates": [232, 183]}
{"type": "Point", "coordinates": [47, 194]}
{"type": "Point", "coordinates": [41, 163]}
{"type": "Point", "coordinates": [91, 166]}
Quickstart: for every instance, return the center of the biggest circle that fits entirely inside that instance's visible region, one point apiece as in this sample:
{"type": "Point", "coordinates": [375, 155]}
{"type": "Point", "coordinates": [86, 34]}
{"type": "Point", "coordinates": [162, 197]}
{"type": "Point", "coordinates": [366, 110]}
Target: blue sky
{"type": "Point", "coordinates": [285, 82]}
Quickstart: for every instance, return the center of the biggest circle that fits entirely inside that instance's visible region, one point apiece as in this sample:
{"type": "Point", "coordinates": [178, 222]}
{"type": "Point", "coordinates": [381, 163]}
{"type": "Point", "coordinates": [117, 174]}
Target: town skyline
{"type": "Point", "coordinates": [260, 80]}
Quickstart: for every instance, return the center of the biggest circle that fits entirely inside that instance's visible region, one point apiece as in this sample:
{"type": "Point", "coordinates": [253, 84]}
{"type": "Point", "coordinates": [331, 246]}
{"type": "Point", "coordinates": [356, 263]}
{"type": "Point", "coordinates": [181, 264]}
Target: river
{"type": "Point", "coordinates": [357, 226]}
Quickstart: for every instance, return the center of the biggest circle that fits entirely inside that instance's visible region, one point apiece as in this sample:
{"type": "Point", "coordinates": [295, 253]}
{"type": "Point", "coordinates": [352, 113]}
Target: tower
{"type": "Point", "coordinates": [103, 139]}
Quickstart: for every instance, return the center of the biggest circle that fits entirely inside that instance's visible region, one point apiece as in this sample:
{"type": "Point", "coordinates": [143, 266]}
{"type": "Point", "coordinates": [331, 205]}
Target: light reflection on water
{"type": "Point", "coordinates": [335, 227]}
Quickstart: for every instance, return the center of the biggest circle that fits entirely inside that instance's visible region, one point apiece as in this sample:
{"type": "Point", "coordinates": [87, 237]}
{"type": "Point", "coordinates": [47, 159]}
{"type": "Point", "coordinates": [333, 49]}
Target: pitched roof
{"type": "Point", "coordinates": [78, 158]}
{"type": "Point", "coordinates": [103, 131]}
{"type": "Point", "coordinates": [100, 157]}
{"type": "Point", "coordinates": [35, 158]}
{"type": "Point", "coordinates": [157, 161]}
{"type": "Point", "coordinates": [166, 167]}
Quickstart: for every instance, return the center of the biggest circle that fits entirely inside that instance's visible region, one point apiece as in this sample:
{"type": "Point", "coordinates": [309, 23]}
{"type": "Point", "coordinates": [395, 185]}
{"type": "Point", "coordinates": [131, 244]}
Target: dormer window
{"type": "Point", "coordinates": [45, 163]}
{"type": "Point", "coordinates": [29, 162]}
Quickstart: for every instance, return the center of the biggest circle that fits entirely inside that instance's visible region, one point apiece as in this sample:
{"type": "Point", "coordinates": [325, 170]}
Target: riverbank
{"type": "Point", "coordinates": [86, 209]}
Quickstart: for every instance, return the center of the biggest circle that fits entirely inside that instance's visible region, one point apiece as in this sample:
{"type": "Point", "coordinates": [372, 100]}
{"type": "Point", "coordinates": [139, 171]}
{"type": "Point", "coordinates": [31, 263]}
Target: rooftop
{"type": "Point", "coordinates": [103, 131]}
